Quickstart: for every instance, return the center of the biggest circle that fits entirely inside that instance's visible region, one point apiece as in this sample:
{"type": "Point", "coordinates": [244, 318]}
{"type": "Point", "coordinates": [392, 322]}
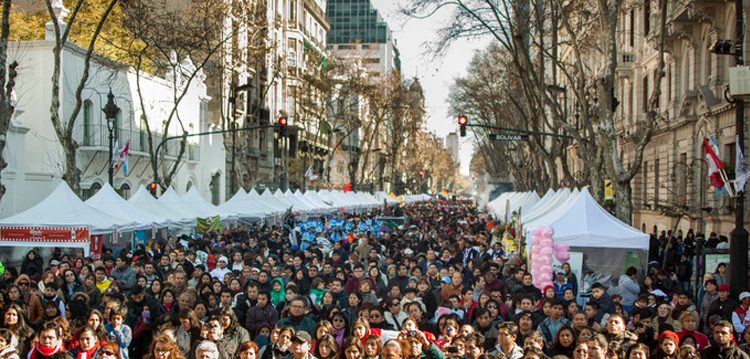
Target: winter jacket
{"type": "Point", "coordinates": [125, 276]}
{"type": "Point", "coordinates": [122, 336]}
{"type": "Point", "coordinates": [629, 290]}
{"type": "Point", "coordinates": [68, 290]}
{"type": "Point", "coordinates": [258, 316]}
{"type": "Point", "coordinates": [9, 353]}
{"type": "Point", "coordinates": [715, 352]}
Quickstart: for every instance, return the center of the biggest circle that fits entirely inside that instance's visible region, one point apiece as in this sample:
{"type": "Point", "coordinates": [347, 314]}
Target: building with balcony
{"type": "Point", "coordinates": [672, 189]}
{"type": "Point", "coordinates": [34, 153]}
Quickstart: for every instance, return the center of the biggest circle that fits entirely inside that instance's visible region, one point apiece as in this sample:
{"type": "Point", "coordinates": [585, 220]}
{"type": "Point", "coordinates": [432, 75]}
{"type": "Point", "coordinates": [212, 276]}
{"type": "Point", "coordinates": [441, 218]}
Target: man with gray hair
{"type": "Point", "coordinates": [392, 349]}
{"type": "Point", "coordinates": [207, 350]}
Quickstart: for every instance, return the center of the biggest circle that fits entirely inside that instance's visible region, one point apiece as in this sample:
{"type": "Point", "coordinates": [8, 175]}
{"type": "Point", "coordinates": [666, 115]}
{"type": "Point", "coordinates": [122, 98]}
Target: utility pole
{"type": "Point", "coordinates": [738, 241]}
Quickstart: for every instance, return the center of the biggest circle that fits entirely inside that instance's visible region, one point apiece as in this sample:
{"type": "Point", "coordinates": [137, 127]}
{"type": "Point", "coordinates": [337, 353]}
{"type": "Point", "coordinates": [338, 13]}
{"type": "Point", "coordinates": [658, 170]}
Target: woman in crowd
{"type": "Point", "coordinates": [164, 347]}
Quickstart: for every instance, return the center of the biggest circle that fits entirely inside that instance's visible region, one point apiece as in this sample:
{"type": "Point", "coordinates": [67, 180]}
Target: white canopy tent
{"type": "Point", "coordinates": [328, 198]}
{"type": "Point", "coordinates": [279, 203]}
{"type": "Point", "coordinates": [312, 197]}
{"type": "Point", "coordinates": [63, 208]}
{"type": "Point", "coordinates": [422, 197]}
{"type": "Point", "coordinates": [552, 210]}
{"type": "Point", "coordinates": [388, 199]}
{"type": "Point", "coordinates": [172, 200]}
{"type": "Point", "coordinates": [241, 204]}
{"type": "Point", "coordinates": [274, 206]}
{"type": "Point", "coordinates": [143, 200]}
{"type": "Point", "coordinates": [542, 209]}
{"type": "Point", "coordinates": [605, 241]}
{"type": "Point", "coordinates": [194, 199]}
{"type": "Point", "coordinates": [108, 201]}
{"type": "Point", "coordinates": [297, 205]}
{"type": "Point", "coordinates": [545, 199]}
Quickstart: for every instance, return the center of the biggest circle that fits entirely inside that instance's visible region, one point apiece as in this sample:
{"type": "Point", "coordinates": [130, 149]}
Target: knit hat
{"type": "Point", "coordinates": [668, 334]}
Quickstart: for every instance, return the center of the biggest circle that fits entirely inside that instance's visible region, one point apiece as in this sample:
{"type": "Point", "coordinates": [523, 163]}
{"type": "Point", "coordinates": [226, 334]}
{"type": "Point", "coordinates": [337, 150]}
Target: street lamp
{"type": "Point", "coordinates": [110, 113]}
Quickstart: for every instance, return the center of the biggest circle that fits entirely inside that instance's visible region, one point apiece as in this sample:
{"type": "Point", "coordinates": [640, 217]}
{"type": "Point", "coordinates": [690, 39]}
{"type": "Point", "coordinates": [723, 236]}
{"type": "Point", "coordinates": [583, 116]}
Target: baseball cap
{"type": "Point", "coordinates": [560, 271]}
{"type": "Point", "coordinates": [408, 251]}
{"type": "Point", "coordinates": [54, 262]}
{"type": "Point", "coordinates": [223, 259]}
{"type": "Point", "coordinates": [302, 336]}
{"type": "Point", "coordinates": [723, 288]}
{"type": "Point", "coordinates": [744, 295]}
{"type": "Point", "coordinates": [446, 279]}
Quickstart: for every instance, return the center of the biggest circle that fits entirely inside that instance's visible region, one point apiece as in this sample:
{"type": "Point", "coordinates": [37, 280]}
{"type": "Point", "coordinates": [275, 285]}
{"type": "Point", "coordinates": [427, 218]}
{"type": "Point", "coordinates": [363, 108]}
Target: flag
{"type": "Point", "coordinates": [122, 157]}
{"type": "Point", "coordinates": [310, 175]}
{"type": "Point", "coordinates": [714, 165]}
{"type": "Point", "coordinates": [740, 170]}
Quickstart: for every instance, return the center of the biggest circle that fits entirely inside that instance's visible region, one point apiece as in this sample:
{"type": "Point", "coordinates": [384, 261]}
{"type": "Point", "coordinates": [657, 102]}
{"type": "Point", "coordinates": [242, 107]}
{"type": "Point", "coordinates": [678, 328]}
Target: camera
{"type": "Point", "coordinates": [412, 333]}
{"type": "Point", "coordinates": [452, 350]}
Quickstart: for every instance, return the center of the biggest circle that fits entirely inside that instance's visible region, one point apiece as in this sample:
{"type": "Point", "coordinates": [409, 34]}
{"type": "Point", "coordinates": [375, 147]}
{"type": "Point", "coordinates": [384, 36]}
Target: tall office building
{"type": "Point", "coordinates": [358, 31]}
{"type": "Point", "coordinates": [451, 143]}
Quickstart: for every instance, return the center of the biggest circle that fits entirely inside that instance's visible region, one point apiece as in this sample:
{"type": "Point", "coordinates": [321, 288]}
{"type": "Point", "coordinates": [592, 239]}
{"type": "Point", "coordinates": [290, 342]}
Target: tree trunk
{"type": "Point", "coordinates": [624, 200]}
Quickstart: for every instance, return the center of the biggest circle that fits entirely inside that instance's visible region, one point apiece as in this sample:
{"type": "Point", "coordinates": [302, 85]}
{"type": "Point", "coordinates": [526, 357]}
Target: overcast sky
{"type": "Point", "coordinates": [435, 76]}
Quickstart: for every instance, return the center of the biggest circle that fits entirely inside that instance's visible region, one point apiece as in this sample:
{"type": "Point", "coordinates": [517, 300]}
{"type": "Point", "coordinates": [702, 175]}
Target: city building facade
{"type": "Point", "coordinates": [34, 153]}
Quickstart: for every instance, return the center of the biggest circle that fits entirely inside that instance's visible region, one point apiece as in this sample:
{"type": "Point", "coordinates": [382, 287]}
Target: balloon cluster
{"type": "Point", "coordinates": [543, 247]}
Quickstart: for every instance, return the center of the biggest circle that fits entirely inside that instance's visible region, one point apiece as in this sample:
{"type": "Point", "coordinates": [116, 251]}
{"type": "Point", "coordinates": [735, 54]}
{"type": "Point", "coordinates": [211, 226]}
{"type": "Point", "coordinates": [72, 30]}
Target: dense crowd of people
{"type": "Point", "coordinates": [440, 286]}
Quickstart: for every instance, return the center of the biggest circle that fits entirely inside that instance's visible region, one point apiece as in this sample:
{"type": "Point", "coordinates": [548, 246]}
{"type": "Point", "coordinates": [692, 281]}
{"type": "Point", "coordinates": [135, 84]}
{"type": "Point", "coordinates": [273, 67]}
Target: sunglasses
{"type": "Point", "coordinates": [108, 352]}
{"type": "Point", "coordinates": [23, 284]}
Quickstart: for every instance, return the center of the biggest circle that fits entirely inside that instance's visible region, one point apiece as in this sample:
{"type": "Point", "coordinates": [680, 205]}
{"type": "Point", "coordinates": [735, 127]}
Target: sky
{"type": "Point", "coordinates": [436, 76]}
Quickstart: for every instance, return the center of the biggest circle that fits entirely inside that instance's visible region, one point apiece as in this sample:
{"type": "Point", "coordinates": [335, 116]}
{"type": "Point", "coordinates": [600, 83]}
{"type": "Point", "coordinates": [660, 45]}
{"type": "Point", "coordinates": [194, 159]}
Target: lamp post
{"type": "Point", "coordinates": [110, 113]}
{"type": "Point", "coordinates": [738, 242]}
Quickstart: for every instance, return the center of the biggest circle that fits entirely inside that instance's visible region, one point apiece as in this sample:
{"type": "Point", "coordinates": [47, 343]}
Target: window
{"type": "Point", "coordinates": [644, 91]}
{"type": "Point", "coordinates": [644, 183]}
{"type": "Point", "coordinates": [646, 17]}
{"type": "Point", "coordinates": [682, 176]}
{"type": "Point", "coordinates": [87, 123]}
{"type": "Point", "coordinates": [631, 35]}
{"type": "Point", "coordinates": [372, 60]}
{"type": "Point", "coordinates": [124, 191]}
{"type": "Point", "coordinates": [91, 191]}
{"type": "Point", "coordinates": [656, 181]}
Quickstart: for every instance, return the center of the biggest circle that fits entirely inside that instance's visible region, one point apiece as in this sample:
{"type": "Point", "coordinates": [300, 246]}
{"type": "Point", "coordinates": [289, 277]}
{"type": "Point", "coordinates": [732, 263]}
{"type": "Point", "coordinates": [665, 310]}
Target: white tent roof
{"type": "Point", "coordinates": [385, 196]}
{"type": "Point", "coordinates": [244, 207]}
{"type": "Point", "coordinates": [326, 196]}
{"type": "Point", "coordinates": [315, 196]}
{"type": "Point", "coordinates": [194, 199]}
{"type": "Point", "coordinates": [173, 200]}
{"type": "Point", "coordinates": [278, 203]}
{"type": "Point", "coordinates": [312, 202]}
{"type": "Point", "coordinates": [512, 201]}
{"type": "Point", "coordinates": [584, 223]}
{"type": "Point", "coordinates": [296, 203]}
{"type": "Point", "coordinates": [64, 209]}
{"type": "Point", "coordinates": [541, 209]}
{"type": "Point", "coordinates": [525, 204]}
{"type": "Point", "coordinates": [545, 199]}
{"type": "Point", "coordinates": [143, 200]}
{"type": "Point", "coordinates": [108, 201]}
{"type": "Point", "coordinates": [422, 197]}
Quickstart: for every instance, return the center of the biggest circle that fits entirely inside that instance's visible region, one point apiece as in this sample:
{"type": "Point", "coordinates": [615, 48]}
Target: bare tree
{"type": "Point", "coordinates": [64, 127]}
{"type": "Point", "coordinates": [177, 42]}
{"type": "Point", "coordinates": [8, 74]}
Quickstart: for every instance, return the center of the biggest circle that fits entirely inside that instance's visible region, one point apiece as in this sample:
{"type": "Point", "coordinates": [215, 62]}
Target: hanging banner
{"type": "Point", "coordinates": [139, 237]}
{"type": "Point", "coordinates": [97, 242]}
{"type": "Point", "coordinates": [210, 224]}
{"type": "Point", "coordinates": [28, 236]}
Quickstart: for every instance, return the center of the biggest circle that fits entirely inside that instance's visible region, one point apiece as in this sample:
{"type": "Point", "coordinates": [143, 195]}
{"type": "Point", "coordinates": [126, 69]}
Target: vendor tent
{"type": "Point", "coordinates": [172, 200]}
{"type": "Point", "coordinates": [63, 209]}
{"type": "Point", "coordinates": [244, 208]}
{"type": "Point", "coordinates": [388, 199]}
{"type": "Point", "coordinates": [312, 197]}
{"type": "Point", "coordinates": [278, 203]}
{"type": "Point", "coordinates": [196, 202]}
{"type": "Point", "coordinates": [541, 209]}
{"type": "Point", "coordinates": [108, 201]}
{"type": "Point", "coordinates": [297, 205]}
{"type": "Point", "coordinates": [143, 200]}
{"type": "Point", "coordinates": [608, 244]}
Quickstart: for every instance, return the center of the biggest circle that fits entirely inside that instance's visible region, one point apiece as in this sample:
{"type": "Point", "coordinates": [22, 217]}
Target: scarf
{"type": "Point", "coordinates": [86, 354]}
{"type": "Point", "coordinates": [339, 334]}
{"type": "Point", "coordinates": [41, 351]}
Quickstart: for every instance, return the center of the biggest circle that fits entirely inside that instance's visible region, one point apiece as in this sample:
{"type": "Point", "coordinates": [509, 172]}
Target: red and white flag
{"type": "Point", "coordinates": [714, 166]}
{"type": "Point", "coordinates": [123, 158]}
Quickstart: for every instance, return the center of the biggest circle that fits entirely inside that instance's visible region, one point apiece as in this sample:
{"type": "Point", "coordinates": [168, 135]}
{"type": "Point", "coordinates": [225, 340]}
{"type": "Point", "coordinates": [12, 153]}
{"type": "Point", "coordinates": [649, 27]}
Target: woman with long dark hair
{"type": "Point", "coordinates": [14, 321]}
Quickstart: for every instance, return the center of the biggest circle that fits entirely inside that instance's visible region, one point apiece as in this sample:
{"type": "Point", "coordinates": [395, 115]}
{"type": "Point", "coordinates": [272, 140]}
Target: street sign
{"type": "Point", "coordinates": [508, 137]}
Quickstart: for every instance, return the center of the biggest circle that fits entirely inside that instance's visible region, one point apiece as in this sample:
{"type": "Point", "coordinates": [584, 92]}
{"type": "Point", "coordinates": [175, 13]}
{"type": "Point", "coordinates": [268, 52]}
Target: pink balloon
{"type": "Point", "coordinates": [548, 232]}
{"type": "Point", "coordinates": [562, 256]}
{"type": "Point", "coordinates": [537, 232]}
{"type": "Point", "coordinates": [547, 251]}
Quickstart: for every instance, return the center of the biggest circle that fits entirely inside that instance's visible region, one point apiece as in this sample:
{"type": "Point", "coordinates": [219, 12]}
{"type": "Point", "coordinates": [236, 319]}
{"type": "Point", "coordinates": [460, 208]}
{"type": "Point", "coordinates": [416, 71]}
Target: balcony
{"type": "Point", "coordinates": [96, 138]}
{"type": "Point", "coordinates": [625, 63]}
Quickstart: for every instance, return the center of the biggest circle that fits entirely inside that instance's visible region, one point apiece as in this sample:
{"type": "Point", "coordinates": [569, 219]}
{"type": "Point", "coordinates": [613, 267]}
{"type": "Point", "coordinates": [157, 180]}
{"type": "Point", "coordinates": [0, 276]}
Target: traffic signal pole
{"type": "Point", "coordinates": [463, 122]}
{"type": "Point", "coordinates": [207, 133]}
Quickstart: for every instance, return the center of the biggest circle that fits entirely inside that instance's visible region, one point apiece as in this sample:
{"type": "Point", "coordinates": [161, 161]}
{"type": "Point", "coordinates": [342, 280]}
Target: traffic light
{"type": "Point", "coordinates": [282, 125]}
{"type": "Point", "coordinates": [462, 120]}
{"type": "Point", "coordinates": [421, 174]}
{"type": "Point", "coordinates": [152, 188]}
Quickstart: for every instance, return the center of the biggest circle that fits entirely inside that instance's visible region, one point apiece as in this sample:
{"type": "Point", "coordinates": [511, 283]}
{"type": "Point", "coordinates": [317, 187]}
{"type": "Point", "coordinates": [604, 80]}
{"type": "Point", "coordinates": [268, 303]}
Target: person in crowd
{"type": "Point", "coordinates": [88, 345]}
{"type": "Point", "coordinates": [163, 347]}
{"type": "Point", "coordinates": [724, 344]}
{"type": "Point", "coordinates": [506, 341]}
